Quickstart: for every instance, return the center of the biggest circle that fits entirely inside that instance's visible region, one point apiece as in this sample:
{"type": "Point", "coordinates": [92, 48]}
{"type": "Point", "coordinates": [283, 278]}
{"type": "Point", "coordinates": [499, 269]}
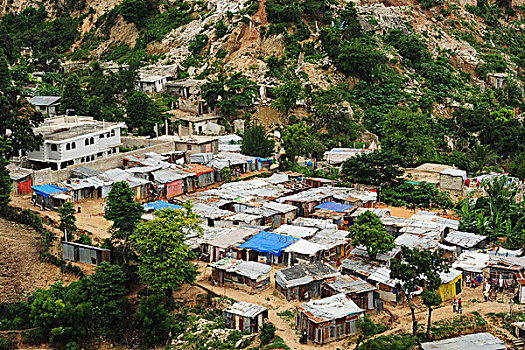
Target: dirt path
{"type": "Point", "coordinates": [275, 302]}
{"type": "Point", "coordinates": [90, 219]}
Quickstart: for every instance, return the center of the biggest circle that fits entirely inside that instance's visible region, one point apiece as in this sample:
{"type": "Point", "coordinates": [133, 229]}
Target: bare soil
{"type": "Point", "coordinates": [21, 271]}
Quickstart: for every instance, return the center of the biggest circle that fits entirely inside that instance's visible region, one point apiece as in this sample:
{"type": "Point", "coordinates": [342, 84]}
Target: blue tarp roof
{"type": "Point", "coordinates": [269, 242]}
{"type": "Point", "coordinates": [158, 205]}
{"type": "Point", "coordinates": [48, 190]}
{"type": "Point", "coordinates": [333, 206]}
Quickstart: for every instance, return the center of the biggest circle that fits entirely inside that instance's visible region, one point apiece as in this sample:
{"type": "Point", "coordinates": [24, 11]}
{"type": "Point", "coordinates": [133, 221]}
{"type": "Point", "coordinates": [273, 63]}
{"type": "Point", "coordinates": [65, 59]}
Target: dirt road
{"type": "Point", "coordinates": [398, 319]}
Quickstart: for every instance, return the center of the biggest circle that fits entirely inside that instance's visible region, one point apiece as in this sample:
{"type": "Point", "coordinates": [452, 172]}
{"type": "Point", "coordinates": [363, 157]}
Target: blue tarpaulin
{"type": "Point", "coordinates": [159, 205]}
{"type": "Point", "coordinates": [269, 242]}
{"type": "Point", "coordinates": [48, 190]}
{"type": "Point", "coordinates": [333, 206]}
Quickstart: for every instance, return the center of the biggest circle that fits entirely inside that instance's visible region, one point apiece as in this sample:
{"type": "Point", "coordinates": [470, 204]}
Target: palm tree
{"type": "Point", "coordinates": [482, 157]}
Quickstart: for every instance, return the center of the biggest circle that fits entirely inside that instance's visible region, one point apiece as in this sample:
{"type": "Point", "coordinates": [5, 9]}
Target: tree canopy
{"type": "Point", "coordinates": [73, 96]}
{"type": "Point", "coordinates": [378, 168]}
{"type": "Point", "coordinates": [67, 219]}
{"type": "Point", "coordinates": [369, 231]}
{"type": "Point", "coordinates": [408, 135]}
{"type": "Point", "coordinates": [142, 114]}
{"type": "Point", "coordinates": [256, 143]}
{"type": "Point", "coordinates": [164, 258]}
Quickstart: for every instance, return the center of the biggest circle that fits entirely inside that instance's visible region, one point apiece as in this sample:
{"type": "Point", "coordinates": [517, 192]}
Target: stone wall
{"type": "Point", "coordinates": [45, 176]}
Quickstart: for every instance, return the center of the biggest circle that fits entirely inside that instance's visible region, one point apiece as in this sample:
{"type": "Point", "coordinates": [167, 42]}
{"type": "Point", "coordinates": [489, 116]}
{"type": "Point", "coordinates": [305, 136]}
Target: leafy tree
{"type": "Point", "coordinates": [124, 212]}
{"type": "Point", "coordinates": [133, 11]}
{"type": "Point", "coordinates": [67, 219]}
{"type": "Point", "coordinates": [143, 114]}
{"type": "Point", "coordinates": [154, 321]}
{"type": "Point", "coordinates": [226, 174]}
{"type": "Point", "coordinates": [409, 46]}
{"type": "Point", "coordinates": [370, 232]}
{"type": "Point", "coordinates": [379, 168]}
{"type": "Point", "coordinates": [199, 43]}
{"type": "Point", "coordinates": [164, 258]}
{"type": "Point", "coordinates": [294, 139]}
{"type": "Point", "coordinates": [5, 184]}
{"type": "Point", "coordinates": [256, 143]}
{"type": "Point", "coordinates": [416, 268]}
{"type": "Point", "coordinates": [107, 290]}
{"type": "Point", "coordinates": [421, 195]}
{"type": "Point", "coordinates": [358, 59]}
{"type": "Point", "coordinates": [221, 29]}
{"type": "Point", "coordinates": [517, 167]}
{"type": "Point", "coordinates": [267, 333]}
{"type": "Point", "coordinates": [229, 94]}
{"type": "Point", "coordinates": [430, 299]}
{"type": "Point", "coordinates": [72, 96]}
{"type": "Point", "coordinates": [286, 95]}
{"type": "Point", "coordinates": [5, 73]}
{"type": "Point", "coordinates": [408, 135]}
{"type": "Point", "coordinates": [482, 157]}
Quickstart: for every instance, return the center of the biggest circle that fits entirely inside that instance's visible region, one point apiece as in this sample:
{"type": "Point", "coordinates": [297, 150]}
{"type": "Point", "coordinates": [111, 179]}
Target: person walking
{"type": "Point", "coordinates": [454, 305]}
{"type": "Point", "coordinates": [460, 306]}
{"type": "Point", "coordinates": [486, 295]}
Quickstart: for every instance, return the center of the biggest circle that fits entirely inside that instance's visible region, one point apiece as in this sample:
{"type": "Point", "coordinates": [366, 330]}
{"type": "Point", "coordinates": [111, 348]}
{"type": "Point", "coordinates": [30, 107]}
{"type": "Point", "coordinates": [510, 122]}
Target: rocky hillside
{"type": "Point", "coordinates": [340, 66]}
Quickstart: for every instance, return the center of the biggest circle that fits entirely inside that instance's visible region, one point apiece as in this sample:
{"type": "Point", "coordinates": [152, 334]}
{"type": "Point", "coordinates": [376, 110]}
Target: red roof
{"type": "Point", "coordinates": [198, 169]}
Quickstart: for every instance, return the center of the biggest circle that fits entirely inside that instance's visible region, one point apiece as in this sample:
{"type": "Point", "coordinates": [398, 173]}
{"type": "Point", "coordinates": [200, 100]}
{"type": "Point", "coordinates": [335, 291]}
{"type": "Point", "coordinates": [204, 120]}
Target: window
{"type": "Point", "coordinates": [92, 141]}
{"type": "Point", "coordinates": [99, 154]}
{"type": "Point", "coordinates": [73, 145]}
{"type": "Point", "coordinates": [68, 146]}
{"type": "Point", "coordinates": [86, 142]}
{"type": "Point", "coordinates": [101, 136]}
{"type": "Point", "coordinates": [107, 134]}
{"type": "Point", "coordinates": [82, 160]}
{"type": "Point", "coordinates": [54, 147]}
{"type": "Point", "coordinates": [112, 132]}
{"type": "Point", "coordinates": [189, 147]}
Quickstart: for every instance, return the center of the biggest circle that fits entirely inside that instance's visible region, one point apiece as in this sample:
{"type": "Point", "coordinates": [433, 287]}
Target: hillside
{"type": "Point", "coordinates": [342, 67]}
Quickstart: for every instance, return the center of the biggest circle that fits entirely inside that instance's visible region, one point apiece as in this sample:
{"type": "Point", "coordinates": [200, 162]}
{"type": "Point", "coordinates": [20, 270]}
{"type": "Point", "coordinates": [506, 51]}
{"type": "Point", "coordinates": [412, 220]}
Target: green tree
{"type": "Point", "coordinates": [380, 168]}
{"type": "Point", "coordinates": [267, 333]}
{"type": "Point", "coordinates": [142, 114]}
{"type": "Point", "coordinates": [228, 94]}
{"type": "Point", "coordinates": [5, 73]}
{"type": "Point", "coordinates": [294, 139]}
{"type": "Point", "coordinates": [358, 59]}
{"type": "Point", "coordinates": [517, 166]}
{"type": "Point", "coordinates": [154, 321]}
{"type": "Point", "coordinates": [198, 44]}
{"type": "Point", "coordinates": [482, 157]}
{"type": "Point", "coordinates": [164, 258]}
{"type": "Point", "coordinates": [133, 11]}
{"type": "Point", "coordinates": [67, 219]}
{"type": "Point", "coordinates": [286, 95]}
{"type": "Point", "coordinates": [430, 299]}
{"type": "Point", "coordinates": [367, 329]}
{"type": "Point", "coordinates": [124, 212]}
{"type": "Point", "coordinates": [370, 232]}
{"type": "Point", "coordinates": [256, 142]}
{"type": "Point", "coordinates": [5, 179]}
{"type": "Point", "coordinates": [416, 268]}
{"type": "Point", "coordinates": [226, 174]}
{"type": "Point", "coordinates": [408, 135]}
{"type": "Point", "coordinates": [221, 29]}
{"type": "Point", "coordinates": [72, 95]}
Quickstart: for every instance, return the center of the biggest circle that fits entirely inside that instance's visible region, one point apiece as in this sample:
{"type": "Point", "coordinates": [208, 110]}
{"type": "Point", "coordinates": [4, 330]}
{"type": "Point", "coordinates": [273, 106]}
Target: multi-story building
{"type": "Point", "coordinates": [72, 140]}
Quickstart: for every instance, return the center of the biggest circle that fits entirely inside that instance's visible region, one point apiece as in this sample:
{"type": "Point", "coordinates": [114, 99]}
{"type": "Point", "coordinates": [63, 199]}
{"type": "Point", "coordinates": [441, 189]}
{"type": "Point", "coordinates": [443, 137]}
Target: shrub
{"type": "Point", "coordinates": [267, 333]}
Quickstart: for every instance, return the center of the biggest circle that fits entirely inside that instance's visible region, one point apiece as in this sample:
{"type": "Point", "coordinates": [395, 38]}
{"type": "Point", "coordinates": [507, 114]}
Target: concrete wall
{"type": "Point", "coordinates": [115, 161]}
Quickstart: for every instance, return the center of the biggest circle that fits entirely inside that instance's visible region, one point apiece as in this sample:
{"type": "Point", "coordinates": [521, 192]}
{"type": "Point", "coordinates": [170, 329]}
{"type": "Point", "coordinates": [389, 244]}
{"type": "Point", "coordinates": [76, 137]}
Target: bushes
{"type": "Point", "coordinates": [154, 321]}
{"type": "Point", "coordinates": [267, 333]}
{"type": "Point", "coordinates": [196, 46]}
{"type": "Point", "coordinates": [420, 195]}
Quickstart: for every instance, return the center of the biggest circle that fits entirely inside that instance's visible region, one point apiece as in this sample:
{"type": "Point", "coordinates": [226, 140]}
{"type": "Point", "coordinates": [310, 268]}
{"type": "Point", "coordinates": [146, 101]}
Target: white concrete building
{"type": "Point", "coordinates": [151, 83]}
{"type": "Point", "coordinates": [72, 140]}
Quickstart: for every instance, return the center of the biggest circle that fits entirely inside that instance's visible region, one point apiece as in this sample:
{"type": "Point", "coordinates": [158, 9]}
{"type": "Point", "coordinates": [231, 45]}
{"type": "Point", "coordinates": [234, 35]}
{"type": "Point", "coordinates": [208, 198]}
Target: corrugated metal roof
{"type": "Point", "coordinates": [44, 100]}
{"type": "Point", "coordinates": [296, 231]}
{"type": "Point", "coordinates": [48, 190]}
{"type": "Point", "coordinates": [478, 341]}
{"type": "Point", "coordinates": [245, 309]}
{"type": "Point", "coordinates": [231, 238]}
{"type": "Point", "coordinates": [302, 274]}
{"type": "Point", "coordinates": [382, 275]}
{"type": "Point", "coordinates": [16, 173]}
{"type": "Point", "coordinates": [520, 276]}
{"type": "Point", "coordinates": [360, 265]}
{"type": "Point", "coordinates": [319, 223]}
{"type": "Point", "coordinates": [304, 247]}
{"type": "Point", "coordinates": [280, 207]}
{"type": "Point", "coordinates": [329, 309]}
{"type": "Point", "coordinates": [330, 238]}
{"type": "Point", "coordinates": [349, 285]}
{"type": "Point", "coordinates": [464, 239]}
{"type": "Point", "coordinates": [471, 262]}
